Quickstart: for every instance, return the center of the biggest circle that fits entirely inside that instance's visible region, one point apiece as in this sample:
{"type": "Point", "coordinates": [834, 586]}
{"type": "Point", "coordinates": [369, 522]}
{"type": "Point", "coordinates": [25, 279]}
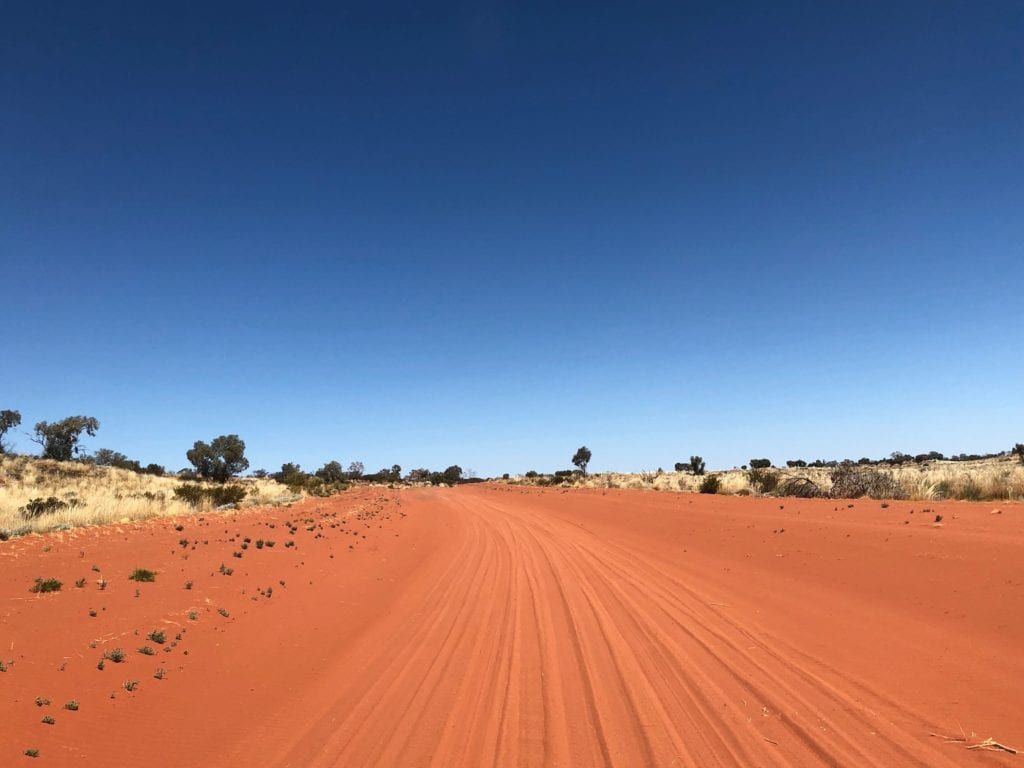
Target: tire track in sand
{"type": "Point", "coordinates": [539, 644]}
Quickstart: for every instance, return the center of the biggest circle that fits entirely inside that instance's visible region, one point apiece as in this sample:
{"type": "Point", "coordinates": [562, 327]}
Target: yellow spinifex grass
{"type": "Point", "coordinates": [97, 495]}
{"type": "Point", "coordinates": [996, 479]}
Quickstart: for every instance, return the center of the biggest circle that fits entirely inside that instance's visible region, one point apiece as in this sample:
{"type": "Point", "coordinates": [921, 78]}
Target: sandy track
{"type": "Point", "coordinates": [495, 625]}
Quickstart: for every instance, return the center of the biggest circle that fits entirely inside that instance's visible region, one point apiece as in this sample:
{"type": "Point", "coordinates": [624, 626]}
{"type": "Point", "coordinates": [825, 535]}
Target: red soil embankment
{"type": "Point", "coordinates": [508, 626]}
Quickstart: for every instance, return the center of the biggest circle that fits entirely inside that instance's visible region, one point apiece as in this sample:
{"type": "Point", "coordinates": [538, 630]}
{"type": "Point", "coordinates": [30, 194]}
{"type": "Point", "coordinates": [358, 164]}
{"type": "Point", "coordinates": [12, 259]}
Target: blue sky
{"type": "Point", "coordinates": [488, 233]}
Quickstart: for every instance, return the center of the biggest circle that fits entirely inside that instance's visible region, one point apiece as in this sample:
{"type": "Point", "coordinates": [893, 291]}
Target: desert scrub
{"type": "Point", "coordinates": [117, 655]}
{"type": "Point", "coordinates": [48, 720]}
{"type": "Point", "coordinates": [80, 583]}
{"type": "Point", "coordinates": [160, 673]}
{"type": "Point", "coordinates": [157, 636]}
{"type": "Point", "coordinates": [42, 701]}
{"type": "Point", "coordinates": [46, 585]}
{"type": "Point", "coordinates": [147, 650]}
{"type": "Point", "coordinates": [711, 484]}
{"type": "Point", "coordinates": [131, 685]}
{"type": "Point", "coordinates": [32, 752]}
{"type": "Point", "coordinates": [223, 612]}
{"type": "Point", "coordinates": [71, 705]}
{"type": "Point", "coordinates": [142, 574]}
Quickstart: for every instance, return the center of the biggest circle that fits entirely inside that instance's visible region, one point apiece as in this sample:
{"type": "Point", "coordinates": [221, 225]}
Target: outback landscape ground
{"type": "Point", "coordinates": [505, 625]}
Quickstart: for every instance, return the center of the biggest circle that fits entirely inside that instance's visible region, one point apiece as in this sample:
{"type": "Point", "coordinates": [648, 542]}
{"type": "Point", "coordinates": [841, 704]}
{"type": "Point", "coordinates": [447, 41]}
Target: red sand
{"type": "Point", "coordinates": [507, 626]}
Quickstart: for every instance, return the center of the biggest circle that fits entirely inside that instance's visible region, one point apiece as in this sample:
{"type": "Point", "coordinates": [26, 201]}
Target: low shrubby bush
{"type": "Point", "coordinates": [852, 482]}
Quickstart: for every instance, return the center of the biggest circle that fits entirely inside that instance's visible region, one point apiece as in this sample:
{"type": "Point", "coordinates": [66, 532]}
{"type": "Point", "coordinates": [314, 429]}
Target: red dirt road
{"type": "Point", "coordinates": [506, 626]}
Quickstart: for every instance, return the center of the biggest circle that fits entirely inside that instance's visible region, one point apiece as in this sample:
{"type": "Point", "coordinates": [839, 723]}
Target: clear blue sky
{"type": "Point", "coordinates": [488, 233]}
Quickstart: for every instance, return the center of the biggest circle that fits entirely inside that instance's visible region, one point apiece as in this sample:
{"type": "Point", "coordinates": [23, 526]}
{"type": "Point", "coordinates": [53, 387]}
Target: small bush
{"type": "Point", "coordinates": [711, 484]}
{"type": "Point", "coordinates": [130, 685]}
{"type": "Point", "coordinates": [191, 494]}
{"type": "Point", "coordinates": [222, 495]}
{"type": "Point", "coordinates": [850, 482]}
{"type": "Point", "coordinates": [142, 574]}
{"type": "Point", "coordinates": [800, 487]}
{"type": "Point", "coordinates": [117, 655]}
{"type": "Point", "coordinates": [763, 480]}
{"type": "Point", "coordinates": [38, 507]}
{"type": "Point", "coordinates": [971, 491]}
{"type": "Point", "coordinates": [46, 585]}
{"type": "Point", "coordinates": [71, 705]}
{"type": "Point", "coordinates": [48, 720]}
{"type": "Point", "coordinates": [157, 636]}
{"type": "Point", "coordinates": [147, 650]}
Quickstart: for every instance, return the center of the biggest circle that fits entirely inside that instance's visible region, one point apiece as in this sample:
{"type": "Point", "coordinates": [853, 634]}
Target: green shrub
{"type": "Point", "coordinates": [141, 574]}
{"type": "Point", "coordinates": [46, 585]}
{"type": "Point", "coordinates": [763, 480]}
{"type": "Point", "coordinates": [222, 495]}
{"type": "Point", "coordinates": [971, 491]}
{"type": "Point", "coordinates": [711, 484]}
{"type": "Point", "coordinates": [191, 494]}
{"type": "Point", "coordinates": [36, 508]}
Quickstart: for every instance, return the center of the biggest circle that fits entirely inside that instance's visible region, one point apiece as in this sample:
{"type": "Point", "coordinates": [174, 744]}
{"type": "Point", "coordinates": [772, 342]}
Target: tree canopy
{"type": "Point", "coordinates": [223, 458]}
{"type": "Point", "coordinates": [60, 440]}
{"type": "Point", "coordinates": [581, 458]}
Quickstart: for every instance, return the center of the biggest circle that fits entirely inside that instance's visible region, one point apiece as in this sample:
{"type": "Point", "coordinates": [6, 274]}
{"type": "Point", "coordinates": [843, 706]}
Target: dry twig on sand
{"type": "Point", "coordinates": [989, 744]}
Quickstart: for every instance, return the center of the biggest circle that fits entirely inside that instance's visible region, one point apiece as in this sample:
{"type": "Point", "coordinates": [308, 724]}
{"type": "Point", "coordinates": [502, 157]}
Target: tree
{"type": "Point", "coordinates": [760, 463]}
{"type": "Point", "coordinates": [331, 472]}
{"type": "Point", "coordinates": [697, 465]}
{"type": "Point", "coordinates": [355, 470]}
{"type": "Point", "coordinates": [451, 476]}
{"type": "Point", "coordinates": [60, 439]}
{"type": "Point", "coordinates": [8, 420]}
{"type": "Point", "coordinates": [223, 458]}
{"type": "Point", "coordinates": [1018, 449]}
{"type": "Point", "coordinates": [581, 458]}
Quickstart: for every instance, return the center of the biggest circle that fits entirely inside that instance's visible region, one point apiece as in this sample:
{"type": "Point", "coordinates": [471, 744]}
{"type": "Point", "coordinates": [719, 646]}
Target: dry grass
{"type": "Point", "coordinates": [999, 479]}
{"type": "Point", "coordinates": [97, 495]}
